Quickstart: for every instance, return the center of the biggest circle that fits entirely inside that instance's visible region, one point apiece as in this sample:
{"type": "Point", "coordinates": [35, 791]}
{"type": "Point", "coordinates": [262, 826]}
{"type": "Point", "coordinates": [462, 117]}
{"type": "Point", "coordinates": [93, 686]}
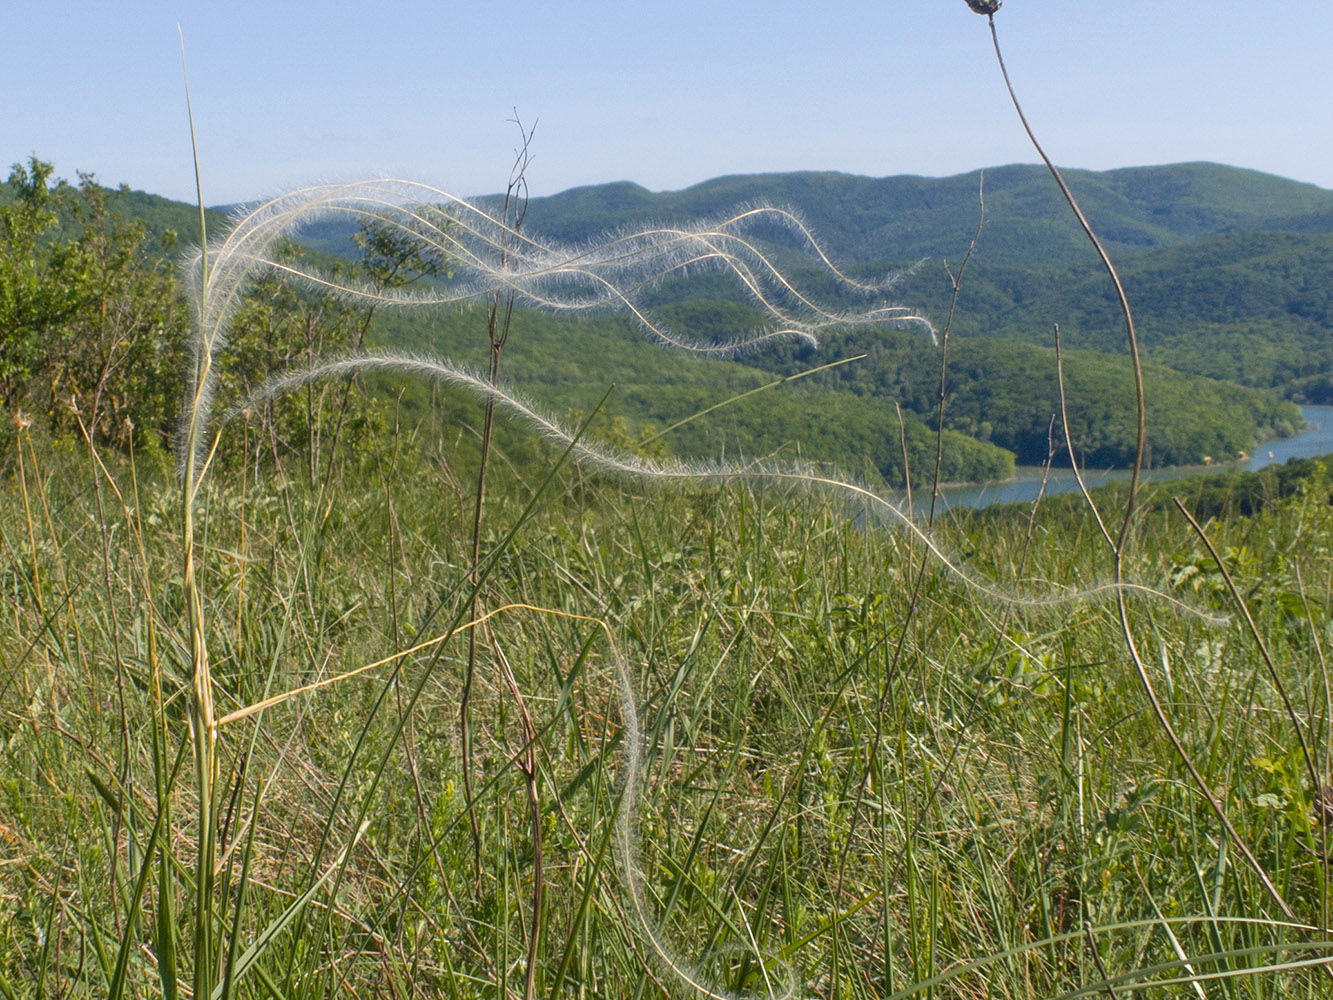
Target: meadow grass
{"type": "Point", "coordinates": [844, 792]}
{"type": "Point", "coordinates": [738, 729]}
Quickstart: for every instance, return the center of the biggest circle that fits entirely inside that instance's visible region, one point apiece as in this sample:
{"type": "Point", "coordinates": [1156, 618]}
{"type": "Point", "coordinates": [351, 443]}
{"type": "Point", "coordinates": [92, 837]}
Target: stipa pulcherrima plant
{"type": "Point", "coordinates": [491, 257]}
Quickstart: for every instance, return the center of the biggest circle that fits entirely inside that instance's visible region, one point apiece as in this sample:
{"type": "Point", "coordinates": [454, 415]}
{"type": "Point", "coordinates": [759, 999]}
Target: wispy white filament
{"type": "Point", "coordinates": [613, 273]}
{"type": "Point", "coordinates": [489, 256]}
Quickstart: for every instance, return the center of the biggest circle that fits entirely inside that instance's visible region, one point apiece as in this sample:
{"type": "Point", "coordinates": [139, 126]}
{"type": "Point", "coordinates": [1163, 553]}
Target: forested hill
{"type": "Point", "coordinates": [1227, 269]}
{"type": "Point", "coordinates": [907, 218]}
{"type": "Point", "coordinates": [165, 221]}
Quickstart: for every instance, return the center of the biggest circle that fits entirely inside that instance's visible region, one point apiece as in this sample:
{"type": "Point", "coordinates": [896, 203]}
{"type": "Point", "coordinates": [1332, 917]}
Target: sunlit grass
{"type": "Point", "coordinates": [841, 791]}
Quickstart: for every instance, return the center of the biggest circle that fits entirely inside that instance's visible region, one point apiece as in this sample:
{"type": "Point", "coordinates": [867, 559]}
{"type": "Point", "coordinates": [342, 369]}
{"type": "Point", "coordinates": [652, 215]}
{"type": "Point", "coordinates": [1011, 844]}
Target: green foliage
{"type": "Point", "coordinates": [816, 422]}
{"type": "Point", "coordinates": [29, 302]}
{"type": "Point", "coordinates": [617, 434]}
{"type": "Point", "coordinates": [1243, 307]}
{"type": "Point", "coordinates": [162, 217]}
{"type": "Point", "coordinates": [1224, 266]}
{"type": "Point", "coordinates": [278, 327]}
{"type": "Point", "coordinates": [1246, 494]}
{"type": "Point", "coordinates": [92, 331]}
{"type": "Point", "coordinates": [1007, 393]}
{"type": "Point", "coordinates": [851, 813]}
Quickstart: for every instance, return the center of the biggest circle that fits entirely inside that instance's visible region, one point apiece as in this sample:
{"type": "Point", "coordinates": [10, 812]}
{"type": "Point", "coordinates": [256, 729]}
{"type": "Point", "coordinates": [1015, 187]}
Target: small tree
{"type": "Point", "coordinates": [281, 325]}
{"type": "Point", "coordinates": [30, 302]}
{"type": "Point", "coordinates": [117, 356]}
{"type": "Point", "coordinates": [90, 327]}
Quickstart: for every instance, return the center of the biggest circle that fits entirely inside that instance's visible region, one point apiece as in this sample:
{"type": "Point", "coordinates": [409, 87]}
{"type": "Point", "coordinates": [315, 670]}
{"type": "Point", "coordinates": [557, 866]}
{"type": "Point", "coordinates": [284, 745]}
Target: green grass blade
{"type": "Point", "coordinates": [270, 933]}
{"type": "Point", "coordinates": [116, 987]}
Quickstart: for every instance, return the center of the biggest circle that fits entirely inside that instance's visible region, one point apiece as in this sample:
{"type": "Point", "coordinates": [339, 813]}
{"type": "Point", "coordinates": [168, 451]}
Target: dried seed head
{"type": "Point", "coordinates": [986, 7]}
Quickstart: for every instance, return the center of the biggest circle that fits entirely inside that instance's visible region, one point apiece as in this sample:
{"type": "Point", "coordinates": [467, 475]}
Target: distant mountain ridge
{"type": "Point", "coordinates": [905, 218]}
{"type": "Point", "coordinates": [1228, 269]}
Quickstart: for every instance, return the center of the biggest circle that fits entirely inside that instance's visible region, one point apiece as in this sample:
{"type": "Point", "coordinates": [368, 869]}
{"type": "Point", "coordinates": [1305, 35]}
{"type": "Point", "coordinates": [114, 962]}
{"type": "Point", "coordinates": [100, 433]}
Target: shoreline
{"type": "Point", "coordinates": [1314, 440]}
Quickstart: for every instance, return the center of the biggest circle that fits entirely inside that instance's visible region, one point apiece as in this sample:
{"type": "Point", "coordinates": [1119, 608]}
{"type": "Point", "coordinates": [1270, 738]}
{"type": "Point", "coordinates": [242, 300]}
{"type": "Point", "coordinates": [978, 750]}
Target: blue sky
{"type": "Point", "coordinates": [665, 94]}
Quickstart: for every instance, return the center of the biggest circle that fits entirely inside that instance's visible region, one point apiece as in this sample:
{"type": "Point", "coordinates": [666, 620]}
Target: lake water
{"type": "Point", "coordinates": [1316, 439]}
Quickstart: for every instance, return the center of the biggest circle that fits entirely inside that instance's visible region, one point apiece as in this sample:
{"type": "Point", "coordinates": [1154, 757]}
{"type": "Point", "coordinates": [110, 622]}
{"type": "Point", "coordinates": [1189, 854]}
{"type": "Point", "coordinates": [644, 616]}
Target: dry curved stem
{"type": "Point", "coordinates": [1131, 337]}
{"type": "Point", "coordinates": [1121, 541]}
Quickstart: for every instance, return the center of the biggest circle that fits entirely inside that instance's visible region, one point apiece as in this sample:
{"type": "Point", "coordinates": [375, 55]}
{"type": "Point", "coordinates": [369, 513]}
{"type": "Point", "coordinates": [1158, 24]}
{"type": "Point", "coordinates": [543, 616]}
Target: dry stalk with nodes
{"type": "Point", "coordinates": [1120, 544]}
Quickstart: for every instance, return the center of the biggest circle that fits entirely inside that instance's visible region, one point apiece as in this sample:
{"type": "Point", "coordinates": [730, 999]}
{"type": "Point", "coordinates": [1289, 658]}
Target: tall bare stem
{"type": "Point", "coordinates": [988, 8]}
{"type": "Point", "coordinates": [203, 724]}
{"type": "Point", "coordinates": [497, 329]}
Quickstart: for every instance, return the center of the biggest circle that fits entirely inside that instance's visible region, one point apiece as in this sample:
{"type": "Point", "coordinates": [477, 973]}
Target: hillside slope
{"type": "Point", "coordinates": [1222, 293]}
{"type": "Point", "coordinates": [1227, 269]}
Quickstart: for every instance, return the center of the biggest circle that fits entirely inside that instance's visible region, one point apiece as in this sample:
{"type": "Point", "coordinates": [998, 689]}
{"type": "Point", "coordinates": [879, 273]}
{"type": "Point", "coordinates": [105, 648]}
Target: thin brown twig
{"type": "Point", "coordinates": [956, 281]}
{"type": "Point", "coordinates": [1069, 441]}
{"type": "Point", "coordinates": [1097, 960]}
{"type": "Point", "coordinates": [515, 208]}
